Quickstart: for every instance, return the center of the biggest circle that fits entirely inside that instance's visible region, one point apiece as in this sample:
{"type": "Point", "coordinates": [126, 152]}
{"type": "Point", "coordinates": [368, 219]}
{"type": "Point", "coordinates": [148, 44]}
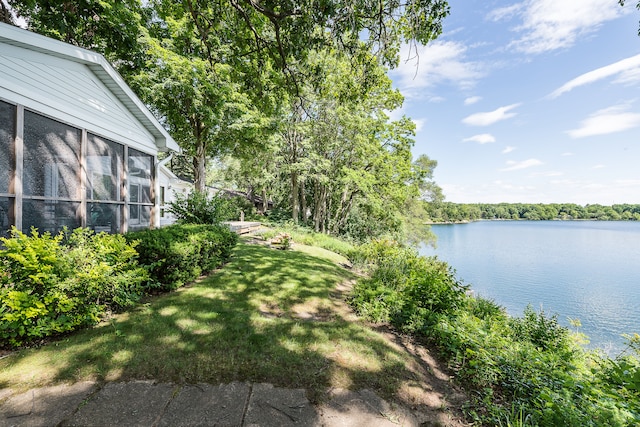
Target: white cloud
{"type": "Point", "coordinates": [437, 63]}
{"type": "Point", "coordinates": [547, 174]}
{"type": "Point", "coordinates": [547, 25]}
{"type": "Point", "coordinates": [628, 182]}
{"type": "Point", "coordinates": [513, 165]}
{"type": "Point", "coordinates": [568, 153]}
{"type": "Point", "coordinates": [472, 100]}
{"type": "Point", "coordinates": [483, 138]}
{"type": "Point", "coordinates": [490, 117]}
{"type": "Point", "coordinates": [419, 124]}
{"type": "Point", "coordinates": [599, 167]}
{"type": "Point", "coordinates": [508, 149]}
{"type": "Point", "coordinates": [630, 76]}
{"type": "Point", "coordinates": [606, 121]}
{"type": "Point", "coordinates": [628, 70]}
{"type": "Point", "coordinates": [507, 12]}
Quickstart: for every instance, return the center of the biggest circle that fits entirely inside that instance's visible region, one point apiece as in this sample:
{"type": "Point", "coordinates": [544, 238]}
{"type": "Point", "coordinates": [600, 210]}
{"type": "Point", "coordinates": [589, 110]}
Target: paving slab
{"type": "Point", "coordinates": [207, 405]}
{"type": "Point", "coordinates": [278, 407]}
{"type": "Point", "coordinates": [47, 406]}
{"type": "Point", "coordinates": [131, 404]}
{"type": "Point", "coordinates": [362, 409]}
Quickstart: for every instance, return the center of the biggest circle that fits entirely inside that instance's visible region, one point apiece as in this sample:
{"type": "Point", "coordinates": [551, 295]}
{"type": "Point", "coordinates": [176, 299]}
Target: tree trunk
{"type": "Point", "coordinates": [339, 210]}
{"type": "Point", "coordinates": [265, 203]}
{"type": "Point", "coordinates": [200, 168]}
{"type": "Point", "coordinates": [320, 206]}
{"type": "Point", "coordinates": [294, 197]}
{"type": "Point", "coordinates": [303, 202]}
{"type": "Point", "coordinates": [5, 14]}
{"type": "Point", "coordinates": [200, 159]}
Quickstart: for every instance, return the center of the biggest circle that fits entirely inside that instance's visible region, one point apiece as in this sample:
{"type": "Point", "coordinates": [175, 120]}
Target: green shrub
{"type": "Point", "coordinates": [25, 316]}
{"type": "Point", "coordinates": [541, 330]}
{"type": "Point", "coordinates": [239, 205]}
{"type": "Point", "coordinates": [406, 289]}
{"type": "Point", "coordinates": [198, 208]}
{"type": "Point", "coordinates": [106, 270]}
{"type": "Point", "coordinates": [178, 254]}
{"type": "Point", "coordinates": [55, 284]}
{"type": "Point", "coordinates": [33, 262]}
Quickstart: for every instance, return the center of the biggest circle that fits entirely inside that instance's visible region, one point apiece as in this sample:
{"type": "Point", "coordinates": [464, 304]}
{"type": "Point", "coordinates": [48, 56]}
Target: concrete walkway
{"type": "Point", "coordinates": [145, 403]}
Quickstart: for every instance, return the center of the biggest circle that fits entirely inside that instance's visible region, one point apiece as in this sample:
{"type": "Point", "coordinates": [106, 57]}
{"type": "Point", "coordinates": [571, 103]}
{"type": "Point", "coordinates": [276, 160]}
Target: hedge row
{"type": "Point", "coordinates": [55, 284]}
{"type": "Point", "coordinates": [178, 254]}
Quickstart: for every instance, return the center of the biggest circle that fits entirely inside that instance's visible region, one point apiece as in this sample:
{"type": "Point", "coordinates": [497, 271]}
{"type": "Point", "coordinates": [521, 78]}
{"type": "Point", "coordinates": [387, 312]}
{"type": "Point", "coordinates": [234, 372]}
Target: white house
{"type": "Point", "coordinates": [77, 146]}
{"type": "Point", "coordinates": [170, 185]}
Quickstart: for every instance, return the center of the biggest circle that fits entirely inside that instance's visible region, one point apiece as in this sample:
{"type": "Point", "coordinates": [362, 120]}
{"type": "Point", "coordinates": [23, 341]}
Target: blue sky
{"type": "Point", "coordinates": [534, 101]}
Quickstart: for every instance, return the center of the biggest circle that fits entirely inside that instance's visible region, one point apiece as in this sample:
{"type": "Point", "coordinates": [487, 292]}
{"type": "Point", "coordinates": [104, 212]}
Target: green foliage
{"type": "Point", "coordinates": [178, 254]}
{"type": "Point", "coordinates": [408, 290]}
{"type": "Point", "coordinates": [25, 316]}
{"type": "Point", "coordinates": [440, 211]}
{"type": "Point", "coordinates": [198, 208]}
{"type": "Point", "coordinates": [522, 371]}
{"type": "Point", "coordinates": [34, 262]}
{"type": "Point", "coordinates": [239, 205]}
{"type": "Point", "coordinates": [106, 270]}
{"type": "Point", "coordinates": [105, 26]}
{"type": "Point", "coordinates": [540, 330]}
{"type": "Point", "coordinates": [55, 284]}
{"type": "Point", "coordinates": [306, 236]}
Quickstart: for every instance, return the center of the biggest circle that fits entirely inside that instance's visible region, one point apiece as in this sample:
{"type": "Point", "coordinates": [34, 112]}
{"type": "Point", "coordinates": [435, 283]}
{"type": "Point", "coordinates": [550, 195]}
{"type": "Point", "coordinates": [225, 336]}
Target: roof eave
{"type": "Point", "coordinates": [103, 71]}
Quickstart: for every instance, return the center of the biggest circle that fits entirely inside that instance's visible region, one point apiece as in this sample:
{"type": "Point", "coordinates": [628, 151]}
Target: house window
{"type": "Point", "coordinates": [7, 135]}
{"type": "Point", "coordinates": [51, 174]}
{"type": "Point", "coordinates": [54, 175]}
{"type": "Point", "coordinates": [105, 201]}
{"type": "Point", "coordinates": [161, 202]}
{"type": "Point", "coordinates": [140, 173]}
{"type": "Point", "coordinates": [7, 162]}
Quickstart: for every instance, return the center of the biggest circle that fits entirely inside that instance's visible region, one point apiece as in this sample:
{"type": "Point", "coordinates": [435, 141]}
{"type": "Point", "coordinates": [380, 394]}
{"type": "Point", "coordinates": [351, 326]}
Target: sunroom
{"type": "Point", "coordinates": [77, 147]}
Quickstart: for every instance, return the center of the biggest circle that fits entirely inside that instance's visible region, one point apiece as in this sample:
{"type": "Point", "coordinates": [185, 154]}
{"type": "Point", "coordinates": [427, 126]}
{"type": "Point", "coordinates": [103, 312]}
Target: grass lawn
{"type": "Point", "coordinates": [267, 316]}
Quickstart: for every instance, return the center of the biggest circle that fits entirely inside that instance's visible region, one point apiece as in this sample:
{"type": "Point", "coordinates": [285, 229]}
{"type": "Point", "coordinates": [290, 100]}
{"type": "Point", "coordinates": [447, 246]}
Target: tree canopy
{"type": "Point", "coordinates": [295, 91]}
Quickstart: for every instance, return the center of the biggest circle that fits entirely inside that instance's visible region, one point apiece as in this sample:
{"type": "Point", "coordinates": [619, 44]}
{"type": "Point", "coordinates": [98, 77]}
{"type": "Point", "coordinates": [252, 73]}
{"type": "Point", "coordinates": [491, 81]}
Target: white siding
{"type": "Point", "coordinates": [172, 186]}
{"type": "Point", "coordinates": [70, 92]}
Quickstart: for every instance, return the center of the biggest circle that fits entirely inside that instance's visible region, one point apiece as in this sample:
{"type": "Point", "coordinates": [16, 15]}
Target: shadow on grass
{"type": "Point", "coordinates": [215, 332]}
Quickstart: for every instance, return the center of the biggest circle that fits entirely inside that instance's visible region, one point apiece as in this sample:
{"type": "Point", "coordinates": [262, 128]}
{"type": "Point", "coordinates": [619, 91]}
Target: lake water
{"type": "Point", "coordinates": [586, 270]}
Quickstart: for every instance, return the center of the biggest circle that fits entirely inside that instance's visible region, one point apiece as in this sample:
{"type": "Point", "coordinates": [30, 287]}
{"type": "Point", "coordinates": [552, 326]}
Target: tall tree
{"type": "Point", "coordinates": [339, 153]}
{"type": "Point", "coordinates": [200, 101]}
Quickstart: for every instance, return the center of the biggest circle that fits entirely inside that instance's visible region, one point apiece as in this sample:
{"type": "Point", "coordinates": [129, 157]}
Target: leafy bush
{"type": "Point", "coordinates": [106, 270]}
{"type": "Point", "coordinates": [198, 208]}
{"type": "Point", "coordinates": [179, 253]}
{"type": "Point", "coordinates": [406, 289]}
{"type": "Point", "coordinates": [55, 284]}
{"type": "Point", "coordinates": [540, 330]}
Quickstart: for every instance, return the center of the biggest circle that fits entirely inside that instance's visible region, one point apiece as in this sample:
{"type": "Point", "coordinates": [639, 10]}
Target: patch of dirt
{"type": "Point", "coordinates": [434, 398]}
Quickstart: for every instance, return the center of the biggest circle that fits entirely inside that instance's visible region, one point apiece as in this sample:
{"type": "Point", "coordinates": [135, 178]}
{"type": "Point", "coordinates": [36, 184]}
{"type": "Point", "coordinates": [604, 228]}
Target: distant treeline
{"type": "Point", "coordinates": [455, 212]}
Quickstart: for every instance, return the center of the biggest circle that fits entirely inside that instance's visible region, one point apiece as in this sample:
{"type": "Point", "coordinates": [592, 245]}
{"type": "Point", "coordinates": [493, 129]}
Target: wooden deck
{"type": "Point", "coordinates": [243, 227]}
